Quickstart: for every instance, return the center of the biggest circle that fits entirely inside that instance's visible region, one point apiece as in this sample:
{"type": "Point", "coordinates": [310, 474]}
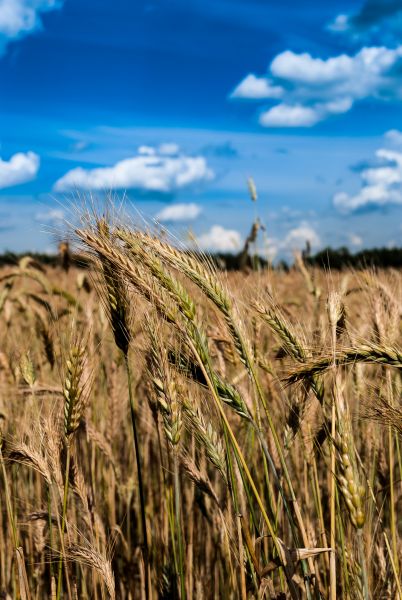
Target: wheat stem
{"type": "Point", "coordinates": [63, 519]}
{"type": "Point", "coordinates": [139, 475]}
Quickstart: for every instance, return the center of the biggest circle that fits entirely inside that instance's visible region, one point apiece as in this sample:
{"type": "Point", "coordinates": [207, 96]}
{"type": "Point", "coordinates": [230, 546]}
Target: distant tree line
{"type": "Point", "coordinates": [342, 258]}
{"type": "Point", "coordinates": [50, 260]}
{"type": "Point", "coordinates": [12, 258]}
{"type": "Point", "coordinates": [328, 258]}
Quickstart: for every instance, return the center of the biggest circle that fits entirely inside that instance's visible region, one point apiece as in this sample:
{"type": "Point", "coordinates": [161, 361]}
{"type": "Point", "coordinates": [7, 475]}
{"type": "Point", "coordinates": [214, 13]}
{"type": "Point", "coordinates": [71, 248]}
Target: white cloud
{"type": "Point", "coordinates": [179, 212]}
{"type": "Point", "coordinates": [150, 170]}
{"type": "Point", "coordinates": [170, 149]}
{"type": "Point", "coordinates": [283, 115]}
{"type": "Point", "coordinates": [358, 75]}
{"type": "Point", "coordinates": [380, 185]}
{"type": "Point", "coordinates": [297, 237]}
{"type": "Point", "coordinates": [147, 150]}
{"type": "Point", "coordinates": [303, 68]}
{"type": "Point", "coordinates": [219, 239]}
{"type": "Point", "coordinates": [294, 239]}
{"type": "Point", "coordinates": [314, 88]}
{"type": "Point", "coordinates": [20, 17]}
{"type": "Point", "coordinates": [257, 88]}
{"type": "Point", "coordinates": [19, 169]}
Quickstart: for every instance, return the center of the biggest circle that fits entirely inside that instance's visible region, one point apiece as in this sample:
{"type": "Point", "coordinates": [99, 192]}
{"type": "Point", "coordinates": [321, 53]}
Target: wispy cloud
{"type": "Point", "coordinates": [179, 212]}
{"type": "Point", "coordinates": [19, 169]}
{"type": "Point", "coordinates": [314, 89]}
{"type": "Point", "coordinates": [19, 18]}
{"type": "Point", "coordinates": [163, 169]}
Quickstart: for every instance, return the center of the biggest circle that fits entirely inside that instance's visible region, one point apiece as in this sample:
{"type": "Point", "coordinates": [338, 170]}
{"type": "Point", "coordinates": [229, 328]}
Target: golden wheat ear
{"type": "Point", "coordinates": [75, 388]}
{"type": "Point", "coordinates": [116, 295]}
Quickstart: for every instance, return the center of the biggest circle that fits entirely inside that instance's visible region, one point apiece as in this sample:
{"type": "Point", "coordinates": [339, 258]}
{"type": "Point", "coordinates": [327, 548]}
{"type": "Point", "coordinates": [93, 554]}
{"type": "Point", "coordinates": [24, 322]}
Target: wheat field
{"type": "Point", "coordinates": [170, 431]}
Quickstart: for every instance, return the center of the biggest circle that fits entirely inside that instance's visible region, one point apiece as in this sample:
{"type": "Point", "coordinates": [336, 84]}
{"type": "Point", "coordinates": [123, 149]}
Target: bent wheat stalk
{"type": "Point", "coordinates": [366, 353]}
{"type": "Point", "coordinates": [118, 305]}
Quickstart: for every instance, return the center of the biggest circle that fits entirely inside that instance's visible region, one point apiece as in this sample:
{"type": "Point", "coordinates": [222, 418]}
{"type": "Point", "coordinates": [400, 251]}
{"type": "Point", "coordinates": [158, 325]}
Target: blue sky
{"type": "Point", "coordinates": [178, 102]}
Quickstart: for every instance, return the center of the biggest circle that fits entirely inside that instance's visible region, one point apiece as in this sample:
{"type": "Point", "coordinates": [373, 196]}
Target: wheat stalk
{"type": "Point", "coordinates": [365, 353]}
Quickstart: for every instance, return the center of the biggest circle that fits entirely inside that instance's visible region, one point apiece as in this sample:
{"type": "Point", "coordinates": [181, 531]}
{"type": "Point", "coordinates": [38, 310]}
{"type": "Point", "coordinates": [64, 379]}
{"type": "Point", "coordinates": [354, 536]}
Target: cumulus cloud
{"type": "Point", "coordinates": [284, 115]}
{"type": "Point", "coordinates": [219, 239]}
{"type": "Point", "coordinates": [295, 239]}
{"type": "Point", "coordinates": [381, 185]}
{"type": "Point", "coordinates": [257, 88]}
{"type": "Point", "coordinates": [18, 18]}
{"type": "Point", "coordinates": [19, 169]}
{"type": "Point", "coordinates": [162, 169]}
{"type": "Point", "coordinates": [179, 212]}
{"type": "Point", "coordinates": [315, 88]}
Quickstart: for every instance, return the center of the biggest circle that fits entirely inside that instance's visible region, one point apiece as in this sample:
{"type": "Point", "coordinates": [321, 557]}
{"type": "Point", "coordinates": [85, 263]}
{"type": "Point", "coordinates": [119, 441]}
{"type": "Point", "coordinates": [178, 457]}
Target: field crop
{"type": "Point", "coordinates": [169, 431]}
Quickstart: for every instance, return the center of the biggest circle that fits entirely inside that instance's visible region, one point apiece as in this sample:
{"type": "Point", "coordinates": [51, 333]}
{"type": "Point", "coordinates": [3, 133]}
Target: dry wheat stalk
{"type": "Point", "coordinates": [101, 564]}
{"type": "Point", "coordinates": [366, 353]}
